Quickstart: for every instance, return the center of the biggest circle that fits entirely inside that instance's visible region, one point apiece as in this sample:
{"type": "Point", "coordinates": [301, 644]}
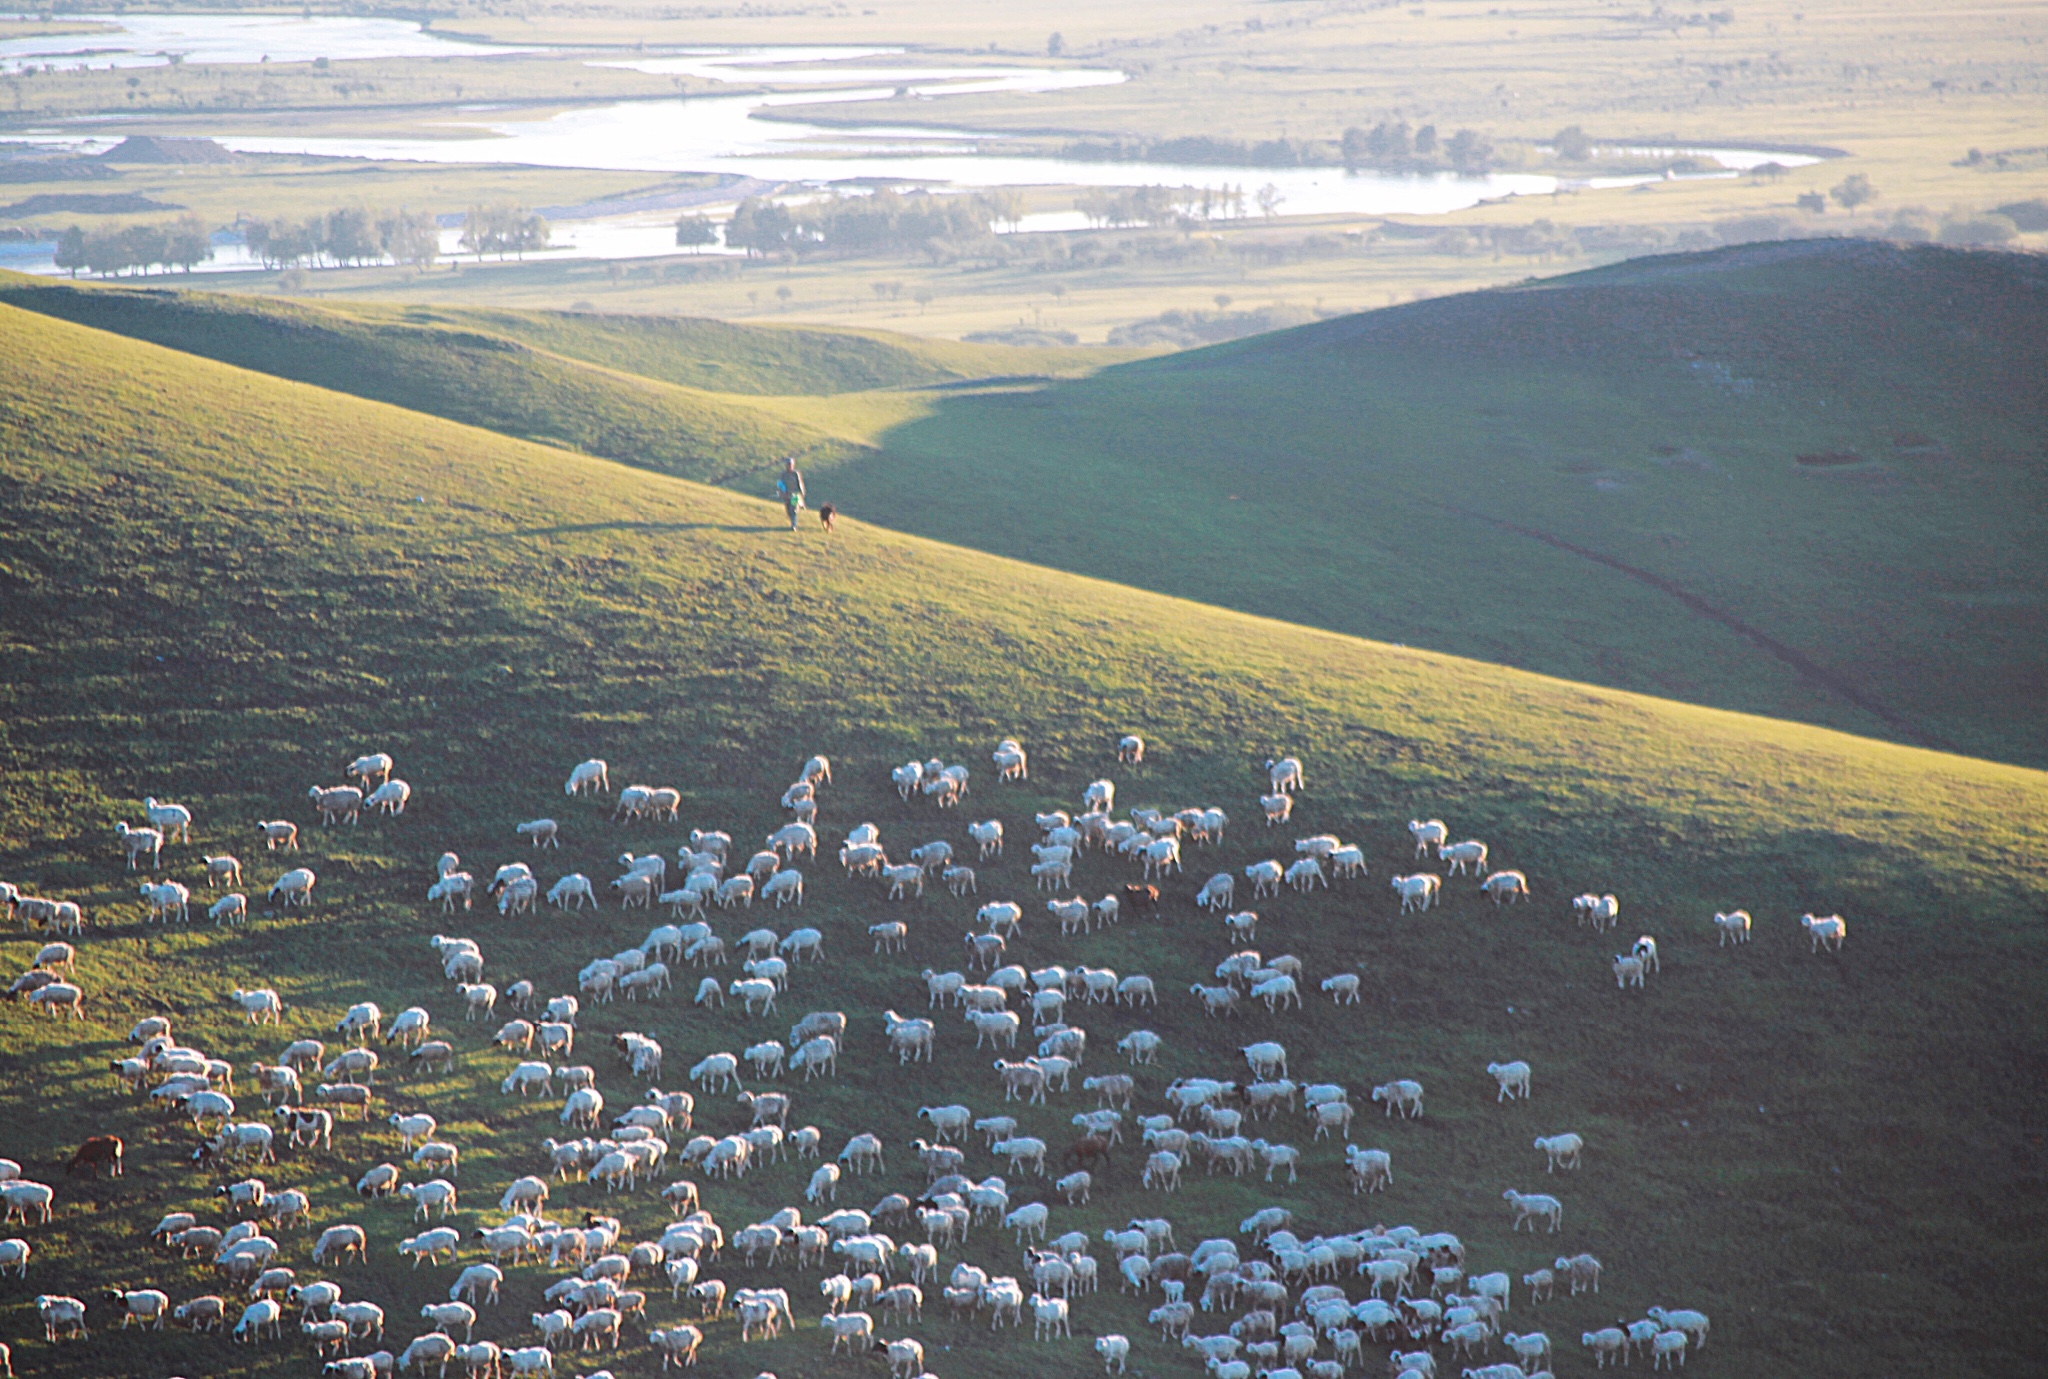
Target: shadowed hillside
{"type": "Point", "coordinates": [1804, 480]}
{"type": "Point", "coordinates": [220, 587]}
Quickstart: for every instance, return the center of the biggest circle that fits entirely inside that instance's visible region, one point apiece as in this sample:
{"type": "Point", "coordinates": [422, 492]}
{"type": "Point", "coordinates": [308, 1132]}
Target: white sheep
{"type": "Point", "coordinates": [224, 870]}
{"type": "Point", "coordinates": [1505, 886]}
{"type": "Point", "coordinates": [232, 908]}
{"type": "Point", "coordinates": [336, 802]}
{"type": "Point", "coordinates": [1732, 927]}
{"type": "Point", "coordinates": [1462, 855]}
{"type": "Point", "coordinates": [1342, 988]}
{"type": "Point", "coordinates": [173, 820]}
{"type": "Point", "coordinates": [1560, 1150]}
{"type": "Point", "coordinates": [1644, 950]}
{"type": "Point", "coordinates": [1513, 1079]}
{"type": "Point", "coordinates": [1285, 775]}
{"type": "Point", "coordinates": [575, 886]}
{"type": "Point", "coordinates": [1827, 932]}
{"type": "Point", "coordinates": [278, 833]}
{"type": "Point", "coordinates": [1417, 892]}
{"type": "Point", "coordinates": [1427, 835]}
{"type": "Point", "coordinates": [453, 886]}
{"type": "Point", "coordinates": [260, 1005]}
{"type": "Point", "coordinates": [542, 832]}
{"type": "Point", "coordinates": [295, 887]}
{"type": "Point", "coordinates": [1601, 911]}
{"type": "Point", "coordinates": [390, 797]}
{"type": "Point", "coordinates": [1628, 970]}
{"type": "Point", "coordinates": [1533, 1206]}
{"type": "Point", "coordinates": [138, 841]}
{"type": "Point", "coordinates": [592, 776]}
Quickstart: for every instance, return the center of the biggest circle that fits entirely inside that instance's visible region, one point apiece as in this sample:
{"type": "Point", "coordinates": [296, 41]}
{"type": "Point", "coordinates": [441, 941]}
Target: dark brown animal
{"type": "Point", "coordinates": [100, 1149]}
{"type": "Point", "coordinates": [1088, 1151]}
{"type": "Point", "coordinates": [1141, 897]}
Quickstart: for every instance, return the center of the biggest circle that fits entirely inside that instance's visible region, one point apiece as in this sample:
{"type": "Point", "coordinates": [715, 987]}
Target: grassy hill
{"type": "Point", "coordinates": [1801, 480]}
{"type": "Point", "coordinates": [220, 586]}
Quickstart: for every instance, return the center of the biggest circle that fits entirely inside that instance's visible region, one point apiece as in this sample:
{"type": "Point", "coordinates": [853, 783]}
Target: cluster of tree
{"type": "Point", "coordinates": [1392, 146]}
{"type": "Point", "coordinates": [881, 223]}
{"type": "Point", "coordinates": [1117, 207]}
{"type": "Point", "coordinates": [503, 229]}
{"type": "Point", "coordinates": [179, 243]}
{"type": "Point", "coordinates": [1187, 329]}
{"type": "Point", "coordinates": [345, 235]}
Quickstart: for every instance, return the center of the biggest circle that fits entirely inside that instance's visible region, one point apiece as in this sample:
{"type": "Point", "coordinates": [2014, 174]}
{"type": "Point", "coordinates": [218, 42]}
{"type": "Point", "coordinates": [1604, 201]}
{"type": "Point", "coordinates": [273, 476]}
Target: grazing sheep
{"type": "Point", "coordinates": [232, 908]}
{"type": "Point", "coordinates": [1370, 1170]}
{"type": "Point", "coordinates": [1427, 835]}
{"type": "Point", "coordinates": [336, 802]}
{"type": "Point", "coordinates": [1130, 749]}
{"type": "Point", "coordinates": [139, 841]}
{"type": "Point", "coordinates": [295, 887]}
{"type": "Point", "coordinates": [278, 833]}
{"type": "Point", "coordinates": [1583, 1272]}
{"type": "Point", "coordinates": [1342, 988]}
{"type": "Point", "coordinates": [1560, 1150]}
{"type": "Point", "coordinates": [1505, 886]}
{"type": "Point", "coordinates": [1285, 775]}
{"type": "Point", "coordinates": [542, 832]}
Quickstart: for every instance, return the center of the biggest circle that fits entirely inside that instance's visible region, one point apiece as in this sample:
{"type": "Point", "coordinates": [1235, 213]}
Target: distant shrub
{"type": "Point", "coordinates": [2027, 216]}
{"type": "Point", "coordinates": [1986, 229]}
{"type": "Point", "coordinates": [1752, 229]}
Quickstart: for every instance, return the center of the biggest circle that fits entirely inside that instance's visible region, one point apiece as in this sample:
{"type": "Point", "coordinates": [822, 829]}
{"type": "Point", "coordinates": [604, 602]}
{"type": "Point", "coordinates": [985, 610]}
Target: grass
{"type": "Point", "coordinates": [220, 586]}
{"type": "Point", "coordinates": [1594, 476]}
{"type": "Point", "coordinates": [1454, 474]}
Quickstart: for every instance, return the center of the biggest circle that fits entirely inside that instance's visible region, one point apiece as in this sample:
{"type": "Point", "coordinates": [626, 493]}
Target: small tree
{"type": "Point", "coordinates": [695, 231]}
{"type": "Point", "coordinates": [1055, 45]}
{"type": "Point", "coordinates": [1223, 301]}
{"type": "Point", "coordinates": [783, 294]}
{"type": "Point", "coordinates": [1425, 141]}
{"type": "Point", "coordinates": [1813, 203]}
{"type": "Point", "coordinates": [1572, 145]}
{"type": "Point", "coordinates": [1269, 200]}
{"type": "Point", "coordinates": [187, 243]}
{"type": "Point", "coordinates": [923, 298]}
{"type": "Point", "coordinates": [1853, 191]}
{"type": "Point", "coordinates": [71, 251]}
{"type": "Point", "coordinates": [1469, 151]}
{"type": "Point", "coordinates": [409, 238]}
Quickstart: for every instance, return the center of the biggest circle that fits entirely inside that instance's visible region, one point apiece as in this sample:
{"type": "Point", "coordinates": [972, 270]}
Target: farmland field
{"type": "Point", "coordinates": [220, 586]}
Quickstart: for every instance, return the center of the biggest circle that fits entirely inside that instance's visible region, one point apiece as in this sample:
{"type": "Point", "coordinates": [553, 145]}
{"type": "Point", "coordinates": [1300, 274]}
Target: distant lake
{"type": "Point", "coordinates": [150, 40]}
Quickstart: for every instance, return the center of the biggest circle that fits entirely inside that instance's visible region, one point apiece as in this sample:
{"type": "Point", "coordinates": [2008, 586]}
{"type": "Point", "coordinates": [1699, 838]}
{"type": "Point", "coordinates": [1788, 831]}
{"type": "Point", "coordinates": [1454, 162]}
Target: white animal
{"type": "Point", "coordinates": [1827, 932]}
{"type": "Point", "coordinates": [1513, 1079]}
{"type": "Point", "coordinates": [1732, 927]}
{"type": "Point", "coordinates": [1531, 1207]}
{"type": "Point", "coordinates": [592, 776]}
{"type": "Point", "coordinates": [1560, 1150]}
{"type": "Point", "coordinates": [390, 797]}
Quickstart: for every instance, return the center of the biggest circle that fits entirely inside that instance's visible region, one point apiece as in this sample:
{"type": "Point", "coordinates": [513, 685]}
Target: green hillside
{"type": "Point", "coordinates": [219, 587]}
{"type": "Point", "coordinates": [462, 370]}
{"type": "Point", "coordinates": [722, 357]}
{"type": "Point", "coordinates": [1800, 480]}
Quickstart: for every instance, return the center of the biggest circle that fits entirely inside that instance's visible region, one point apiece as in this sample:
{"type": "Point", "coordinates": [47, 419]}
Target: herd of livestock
{"type": "Point", "coordinates": [1269, 1295]}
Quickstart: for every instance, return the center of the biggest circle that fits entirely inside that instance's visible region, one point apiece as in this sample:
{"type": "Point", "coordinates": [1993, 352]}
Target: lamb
{"type": "Point", "coordinates": [542, 832]}
{"type": "Point", "coordinates": [1583, 1272]}
{"type": "Point", "coordinates": [1529, 1207]}
{"type": "Point", "coordinates": [1732, 927]}
{"type": "Point", "coordinates": [1560, 1150]}
{"type": "Point", "coordinates": [1417, 892]}
{"type": "Point", "coordinates": [278, 833]}
{"type": "Point", "coordinates": [1628, 971]}
{"type": "Point", "coordinates": [1505, 886]}
{"type": "Point", "coordinates": [1513, 1079]}
{"type": "Point", "coordinates": [1827, 932]}
{"type": "Point", "coordinates": [1667, 1346]}
{"type": "Point", "coordinates": [231, 908]}
{"type": "Point", "coordinates": [336, 802]}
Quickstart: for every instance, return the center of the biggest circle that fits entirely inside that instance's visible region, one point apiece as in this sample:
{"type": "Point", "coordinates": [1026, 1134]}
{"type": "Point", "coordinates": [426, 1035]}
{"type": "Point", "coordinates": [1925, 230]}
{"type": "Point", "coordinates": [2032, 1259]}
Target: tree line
{"type": "Point", "coordinates": [346, 235]}
{"type": "Point", "coordinates": [884, 222]}
{"type": "Point", "coordinates": [181, 243]}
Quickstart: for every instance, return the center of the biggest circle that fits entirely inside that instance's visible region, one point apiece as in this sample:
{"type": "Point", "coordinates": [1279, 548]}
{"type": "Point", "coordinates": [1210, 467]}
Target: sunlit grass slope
{"type": "Point", "coordinates": [218, 586]}
{"type": "Point", "coordinates": [1802, 480]}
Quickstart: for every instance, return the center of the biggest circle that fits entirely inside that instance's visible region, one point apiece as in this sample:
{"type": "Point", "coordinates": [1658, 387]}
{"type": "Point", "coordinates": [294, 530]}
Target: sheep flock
{"type": "Point", "coordinates": [965, 1212]}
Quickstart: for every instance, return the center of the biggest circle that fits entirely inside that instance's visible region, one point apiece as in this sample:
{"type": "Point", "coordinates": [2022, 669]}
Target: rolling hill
{"type": "Point", "coordinates": [1801, 480]}
{"type": "Point", "coordinates": [219, 586]}
{"type": "Point", "coordinates": [1804, 480]}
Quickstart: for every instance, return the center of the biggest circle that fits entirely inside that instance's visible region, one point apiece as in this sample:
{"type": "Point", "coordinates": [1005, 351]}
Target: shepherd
{"type": "Point", "coordinates": [790, 489]}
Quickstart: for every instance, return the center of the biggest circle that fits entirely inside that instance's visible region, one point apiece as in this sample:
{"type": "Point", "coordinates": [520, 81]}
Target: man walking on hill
{"type": "Point", "coordinates": [790, 489]}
